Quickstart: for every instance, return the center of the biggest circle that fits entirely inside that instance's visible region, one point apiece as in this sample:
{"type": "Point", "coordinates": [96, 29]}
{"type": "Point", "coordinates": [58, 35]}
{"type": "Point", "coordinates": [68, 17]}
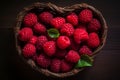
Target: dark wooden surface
{"type": "Point", "coordinates": [107, 62]}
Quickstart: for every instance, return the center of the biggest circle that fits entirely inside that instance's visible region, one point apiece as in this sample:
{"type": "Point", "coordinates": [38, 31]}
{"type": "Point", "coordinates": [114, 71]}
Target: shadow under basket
{"type": "Point", "coordinates": [62, 11]}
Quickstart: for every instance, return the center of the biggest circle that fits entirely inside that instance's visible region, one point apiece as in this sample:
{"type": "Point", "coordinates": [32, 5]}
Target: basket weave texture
{"type": "Point", "coordinates": [59, 11]}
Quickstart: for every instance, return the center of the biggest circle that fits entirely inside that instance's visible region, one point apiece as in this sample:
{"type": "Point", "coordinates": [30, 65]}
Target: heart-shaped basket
{"type": "Point", "coordinates": [37, 7]}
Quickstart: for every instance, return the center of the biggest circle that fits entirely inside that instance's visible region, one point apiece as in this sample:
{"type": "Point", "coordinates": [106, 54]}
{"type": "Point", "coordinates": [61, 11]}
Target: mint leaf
{"type": "Point", "coordinates": [53, 33]}
{"type": "Point", "coordinates": [84, 61]}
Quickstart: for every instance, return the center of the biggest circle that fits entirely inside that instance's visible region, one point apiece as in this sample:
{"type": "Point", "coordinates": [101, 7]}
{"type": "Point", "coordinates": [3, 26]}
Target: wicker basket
{"type": "Point", "coordinates": [37, 7]}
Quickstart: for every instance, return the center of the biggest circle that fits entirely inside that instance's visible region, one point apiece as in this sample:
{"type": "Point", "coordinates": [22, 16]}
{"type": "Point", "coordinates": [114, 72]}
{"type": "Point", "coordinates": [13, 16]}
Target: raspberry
{"type": "Point", "coordinates": [94, 25]}
{"type": "Point", "coordinates": [85, 16]}
{"type": "Point", "coordinates": [74, 46]}
{"type": "Point", "coordinates": [63, 42]}
{"type": "Point", "coordinates": [39, 28]}
{"type": "Point", "coordinates": [40, 41]}
{"type": "Point", "coordinates": [72, 56]}
{"type": "Point", "coordinates": [25, 34]}
{"type": "Point", "coordinates": [29, 50]}
{"type": "Point", "coordinates": [45, 17]}
{"type": "Point", "coordinates": [57, 22]}
{"type": "Point", "coordinates": [67, 29]}
{"type": "Point", "coordinates": [65, 66]}
{"type": "Point", "coordinates": [93, 40]}
{"type": "Point", "coordinates": [80, 35]}
{"type": "Point", "coordinates": [30, 19]}
{"type": "Point", "coordinates": [73, 19]}
{"type": "Point", "coordinates": [85, 50]}
{"type": "Point", "coordinates": [49, 48]}
{"type": "Point", "coordinates": [60, 53]}
{"type": "Point", "coordinates": [55, 65]}
{"type": "Point", "coordinates": [33, 40]}
{"type": "Point", "coordinates": [43, 61]}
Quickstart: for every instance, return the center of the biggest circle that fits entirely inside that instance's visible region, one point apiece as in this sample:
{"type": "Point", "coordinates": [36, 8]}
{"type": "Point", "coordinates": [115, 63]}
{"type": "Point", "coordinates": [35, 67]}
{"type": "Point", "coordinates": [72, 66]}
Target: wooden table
{"type": "Point", "coordinates": [107, 62]}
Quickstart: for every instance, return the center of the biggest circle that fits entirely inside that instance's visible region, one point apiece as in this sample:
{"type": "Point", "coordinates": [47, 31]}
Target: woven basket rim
{"type": "Point", "coordinates": [60, 10]}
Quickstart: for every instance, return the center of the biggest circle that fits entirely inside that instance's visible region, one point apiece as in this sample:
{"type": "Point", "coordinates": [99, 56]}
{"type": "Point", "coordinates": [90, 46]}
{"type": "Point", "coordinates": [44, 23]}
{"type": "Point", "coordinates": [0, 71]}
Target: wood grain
{"type": "Point", "coordinates": [107, 62]}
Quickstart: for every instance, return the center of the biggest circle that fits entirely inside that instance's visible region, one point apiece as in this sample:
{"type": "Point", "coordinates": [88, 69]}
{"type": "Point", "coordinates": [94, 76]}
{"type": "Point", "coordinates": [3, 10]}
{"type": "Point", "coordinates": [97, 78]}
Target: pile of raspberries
{"type": "Point", "coordinates": [78, 36]}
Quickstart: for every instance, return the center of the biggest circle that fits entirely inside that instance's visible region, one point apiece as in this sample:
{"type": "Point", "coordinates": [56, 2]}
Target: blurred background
{"type": "Point", "coordinates": [107, 62]}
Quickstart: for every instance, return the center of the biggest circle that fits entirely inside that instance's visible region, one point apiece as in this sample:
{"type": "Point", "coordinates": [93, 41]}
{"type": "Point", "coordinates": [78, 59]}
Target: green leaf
{"type": "Point", "coordinates": [84, 61]}
{"type": "Point", "coordinates": [53, 33]}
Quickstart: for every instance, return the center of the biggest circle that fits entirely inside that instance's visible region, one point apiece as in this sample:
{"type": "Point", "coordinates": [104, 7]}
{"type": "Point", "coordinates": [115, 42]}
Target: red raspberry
{"type": "Point", "coordinates": [85, 50]}
{"type": "Point", "coordinates": [80, 35]}
{"type": "Point", "coordinates": [85, 16]}
{"type": "Point", "coordinates": [25, 34]}
{"type": "Point", "coordinates": [29, 50]}
{"type": "Point", "coordinates": [60, 53]}
{"type": "Point", "coordinates": [55, 65]}
{"type": "Point", "coordinates": [45, 17]}
{"type": "Point", "coordinates": [49, 48]}
{"type": "Point", "coordinates": [33, 40]}
{"type": "Point", "coordinates": [63, 42]}
{"type": "Point", "coordinates": [57, 22]}
{"type": "Point", "coordinates": [30, 19]}
{"type": "Point", "coordinates": [73, 19]}
{"type": "Point", "coordinates": [39, 28]}
{"type": "Point", "coordinates": [94, 40]}
{"type": "Point", "coordinates": [67, 29]}
{"type": "Point", "coordinates": [94, 25]}
{"type": "Point", "coordinates": [74, 45]}
{"type": "Point", "coordinates": [40, 41]}
{"type": "Point", "coordinates": [72, 56]}
{"type": "Point", "coordinates": [65, 66]}
{"type": "Point", "coordinates": [43, 61]}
